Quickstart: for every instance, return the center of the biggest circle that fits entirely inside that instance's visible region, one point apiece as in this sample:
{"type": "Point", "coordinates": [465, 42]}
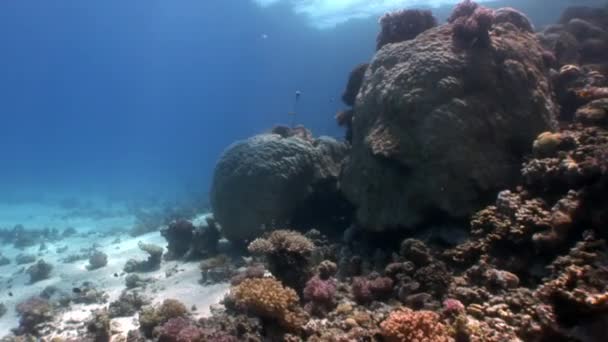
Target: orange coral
{"type": "Point", "coordinates": [268, 298]}
{"type": "Point", "coordinates": [408, 325]}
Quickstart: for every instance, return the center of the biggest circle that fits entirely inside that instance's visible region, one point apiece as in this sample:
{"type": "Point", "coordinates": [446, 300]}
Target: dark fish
{"type": "Point", "coordinates": [76, 290]}
{"type": "Point", "coordinates": [10, 294]}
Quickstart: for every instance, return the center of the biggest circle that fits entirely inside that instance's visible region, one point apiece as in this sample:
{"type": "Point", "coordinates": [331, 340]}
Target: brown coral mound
{"type": "Point", "coordinates": [440, 130]}
{"type": "Point", "coordinates": [408, 325]}
{"type": "Point", "coordinates": [269, 299]}
{"type": "Point", "coordinates": [354, 84]}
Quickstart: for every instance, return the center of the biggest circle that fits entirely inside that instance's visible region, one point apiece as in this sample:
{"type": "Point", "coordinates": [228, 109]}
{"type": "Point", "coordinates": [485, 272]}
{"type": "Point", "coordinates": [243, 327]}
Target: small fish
{"type": "Point", "coordinates": [76, 290]}
{"type": "Point", "coordinates": [10, 294]}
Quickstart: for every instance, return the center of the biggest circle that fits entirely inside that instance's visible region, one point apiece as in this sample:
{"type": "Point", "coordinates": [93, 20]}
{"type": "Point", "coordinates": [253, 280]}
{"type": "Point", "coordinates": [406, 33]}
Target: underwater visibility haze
{"type": "Point", "coordinates": [304, 170]}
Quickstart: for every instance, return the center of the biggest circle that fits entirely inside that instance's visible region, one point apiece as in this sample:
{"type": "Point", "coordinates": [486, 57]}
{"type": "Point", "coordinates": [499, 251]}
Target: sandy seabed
{"type": "Point", "coordinates": [175, 280]}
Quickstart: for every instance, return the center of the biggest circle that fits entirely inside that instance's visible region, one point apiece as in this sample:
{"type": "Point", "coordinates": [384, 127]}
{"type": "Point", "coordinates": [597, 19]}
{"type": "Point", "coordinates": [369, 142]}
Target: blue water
{"type": "Point", "coordinates": [135, 97]}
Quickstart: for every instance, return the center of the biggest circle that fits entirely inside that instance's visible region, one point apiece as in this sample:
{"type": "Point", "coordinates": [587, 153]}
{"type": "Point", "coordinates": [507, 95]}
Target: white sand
{"type": "Point", "coordinates": [182, 285]}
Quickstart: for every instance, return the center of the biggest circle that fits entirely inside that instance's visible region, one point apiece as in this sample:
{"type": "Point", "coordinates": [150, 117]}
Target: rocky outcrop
{"type": "Point", "coordinates": [264, 181]}
{"type": "Point", "coordinates": [438, 127]}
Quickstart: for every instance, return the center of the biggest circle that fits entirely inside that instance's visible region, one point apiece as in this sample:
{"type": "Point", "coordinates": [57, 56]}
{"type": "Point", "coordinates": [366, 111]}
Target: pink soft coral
{"type": "Point", "coordinates": [320, 293]}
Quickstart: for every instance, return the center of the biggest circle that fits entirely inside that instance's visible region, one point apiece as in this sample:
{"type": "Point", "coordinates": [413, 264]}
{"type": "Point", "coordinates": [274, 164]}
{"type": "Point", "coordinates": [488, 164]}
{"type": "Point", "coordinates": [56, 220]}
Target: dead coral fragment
{"type": "Point", "coordinates": [408, 325]}
{"type": "Point", "coordinates": [269, 299]}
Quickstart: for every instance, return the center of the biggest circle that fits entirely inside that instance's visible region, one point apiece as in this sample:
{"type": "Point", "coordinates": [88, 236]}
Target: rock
{"type": "Point", "coordinates": [439, 130]}
{"type": "Point", "coordinates": [262, 182]}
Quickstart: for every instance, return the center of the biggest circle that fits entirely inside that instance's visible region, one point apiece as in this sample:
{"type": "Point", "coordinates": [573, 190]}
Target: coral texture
{"type": "Point", "coordinates": [268, 298]}
{"type": "Point", "coordinates": [408, 325]}
{"type": "Point", "coordinates": [417, 152]}
{"type": "Point", "coordinates": [402, 25]}
{"type": "Point", "coordinates": [262, 182]}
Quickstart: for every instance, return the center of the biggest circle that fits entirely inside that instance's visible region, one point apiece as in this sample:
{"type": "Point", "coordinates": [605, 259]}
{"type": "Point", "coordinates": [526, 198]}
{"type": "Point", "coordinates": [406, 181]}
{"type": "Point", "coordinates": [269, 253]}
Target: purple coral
{"type": "Point", "coordinates": [403, 25]}
{"type": "Point", "coordinates": [321, 294]}
{"type": "Point", "coordinates": [472, 30]}
{"type": "Point", "coordinates": [463, 10]}
{"type": "Point", "coordinates": [319, 290]}
{"type": "Point", "coordinates": [179, 330]}
{"type": "Point", "coordinates": [453, 307]}
{"type": "Point", "coordinates": [367, 289]}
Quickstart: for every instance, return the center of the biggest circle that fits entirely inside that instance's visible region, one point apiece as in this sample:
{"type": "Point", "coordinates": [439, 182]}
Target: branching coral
{"type": "Point", "coordinates": [403, 25]}
{"type": "Point", "coordinates": [269, 299]}
{"type": "Point", "coordinates": [408, 325]}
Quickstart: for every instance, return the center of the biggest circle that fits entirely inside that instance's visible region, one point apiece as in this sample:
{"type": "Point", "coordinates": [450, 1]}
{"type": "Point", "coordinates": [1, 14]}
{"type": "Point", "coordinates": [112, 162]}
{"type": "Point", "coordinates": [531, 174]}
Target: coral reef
{"type": "Point", "coordinates": [155, 256]}
{"type": "Point", "coordinates": [287, 170]}
{"type": "Point", "coordinates": [420, 153]}
{"type": "Point", "coordinates": [353, 85]}
{"type": "Point", "coordinates": [33, 312]}
{"type": "Point", "coordinates": [471, 29]}
{"type": "Point", "coordinates": [321, 295]}
{"type": "Point", "coordinates": [407, 325]}
{"type": "Point", "coordinates": [268, 299]}
{"type": "Point", "coordinates": [98, 326]}
{"type": "Point", "coordinates": [191, 242]}
{"type": "Point", "coordinates": [127, 304]}
{"type": "Point", "coordinates": [97, 260]}
{"type": "Point", "coordinates": [4, 260]}
{"type": "Point", "coordinates": [152, 317]}
{"type": "Point", "coordinates": [22, 259]}
{"type": "Point", "coordinates": [288, 256]}
{"type": "Point", "coordinates": [402, 25]}
{"type": "Point", "coordinates": [39, 271]}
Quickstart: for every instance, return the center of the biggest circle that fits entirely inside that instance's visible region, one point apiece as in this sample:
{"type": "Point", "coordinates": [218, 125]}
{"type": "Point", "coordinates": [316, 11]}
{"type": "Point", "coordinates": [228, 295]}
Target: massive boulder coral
{"type": "Point", "coordinates": [440, 129]}
{"type": "Point", "coordinates": [266, 180]}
